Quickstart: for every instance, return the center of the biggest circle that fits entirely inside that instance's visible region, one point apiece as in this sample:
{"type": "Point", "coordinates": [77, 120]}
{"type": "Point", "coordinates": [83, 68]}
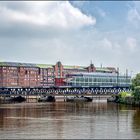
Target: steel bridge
{"type": "Point", "coordinates": [61, 90]}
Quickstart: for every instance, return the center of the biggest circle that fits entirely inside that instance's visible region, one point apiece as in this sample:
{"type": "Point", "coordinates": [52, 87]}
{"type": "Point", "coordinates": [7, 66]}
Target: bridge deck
{"type": "Point", "coordinates": [63, 90]}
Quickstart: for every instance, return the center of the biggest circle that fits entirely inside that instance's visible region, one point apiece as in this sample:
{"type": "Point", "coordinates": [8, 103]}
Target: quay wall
{"type": "Point", "coordinates": [34, 98]}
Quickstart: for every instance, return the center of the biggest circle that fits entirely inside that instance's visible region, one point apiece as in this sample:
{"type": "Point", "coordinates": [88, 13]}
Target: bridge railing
{"type": "Point", "coordinates": [63, 90]}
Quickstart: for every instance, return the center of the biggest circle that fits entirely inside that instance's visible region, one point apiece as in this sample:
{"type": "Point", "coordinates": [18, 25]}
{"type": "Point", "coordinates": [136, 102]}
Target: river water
{"type": "Point", "coordinates": [65, 120]}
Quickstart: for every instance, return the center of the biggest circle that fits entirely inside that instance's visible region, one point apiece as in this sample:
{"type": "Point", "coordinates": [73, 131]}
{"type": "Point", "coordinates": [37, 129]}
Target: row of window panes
{"type": "Point", "coordinates": [105, 76]}
{"type": "Point", "coordinates": [94, 84]}
{"type": "Point", "coordinates": [10, 72]}
{"type": "Point", "coordinates": [14, 68]}
{"type": "Point", "coordinates": [100, 80]}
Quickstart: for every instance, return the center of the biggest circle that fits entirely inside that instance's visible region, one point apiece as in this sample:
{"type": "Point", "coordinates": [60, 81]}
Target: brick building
{"type": "Point", "coordinates": [41, 75]}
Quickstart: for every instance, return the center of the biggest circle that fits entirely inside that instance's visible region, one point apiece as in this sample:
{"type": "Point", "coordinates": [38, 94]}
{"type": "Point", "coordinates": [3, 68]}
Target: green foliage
{"type": "Point", "coordinates": [136, 87]}
{"type": "Point", "coordinates": [124, 94]}
{"type": "Point", "coordinates": [136, 81]}
{"type": "Point", "coordinates": [136, 93]}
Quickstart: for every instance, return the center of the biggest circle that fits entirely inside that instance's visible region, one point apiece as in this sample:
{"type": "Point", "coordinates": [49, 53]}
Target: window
{"type": "Point", "coordinates": [86, 79]}
{"type": "Point", "coordinates": [26, 72]}
{"type": "Point", "coordinates": [39, 71]}
{"type": "Point", "coordinates": [90, 79]}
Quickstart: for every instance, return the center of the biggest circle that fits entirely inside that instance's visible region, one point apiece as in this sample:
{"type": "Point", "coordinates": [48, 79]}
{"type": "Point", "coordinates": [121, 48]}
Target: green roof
{"type": "Point", "coordinates": [102, 69]}
{"type": "Point", "coordinates": [3, 64]}
{"type": "Point", "coordinates": [16, 64]}
{"type": "Point", "coordinates": [73, 67]}
{"type": "Point", "coordinates": [44, 65]}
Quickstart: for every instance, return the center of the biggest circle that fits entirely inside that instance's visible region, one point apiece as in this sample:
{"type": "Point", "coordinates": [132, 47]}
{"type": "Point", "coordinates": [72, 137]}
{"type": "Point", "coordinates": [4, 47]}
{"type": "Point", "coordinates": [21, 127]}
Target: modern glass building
{"type": "Point", "coordinates": [98, 79]}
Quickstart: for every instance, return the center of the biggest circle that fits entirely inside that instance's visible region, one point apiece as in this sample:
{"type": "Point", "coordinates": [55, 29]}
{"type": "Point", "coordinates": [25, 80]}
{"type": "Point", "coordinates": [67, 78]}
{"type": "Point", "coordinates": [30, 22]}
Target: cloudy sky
{"type": "Point", "coordinates": [73, 32]}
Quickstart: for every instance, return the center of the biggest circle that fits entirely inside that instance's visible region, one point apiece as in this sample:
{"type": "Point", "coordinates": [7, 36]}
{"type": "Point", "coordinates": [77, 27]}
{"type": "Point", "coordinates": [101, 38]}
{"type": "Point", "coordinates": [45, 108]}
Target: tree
{"type": "Point", "coordinates": [122, 95]}
{"type": "Point", "coordinates": [136, 93]}
{"type": "Point", "coordinates": [136, 87]}
{"type": "Point", "coordinates": [136, 81]}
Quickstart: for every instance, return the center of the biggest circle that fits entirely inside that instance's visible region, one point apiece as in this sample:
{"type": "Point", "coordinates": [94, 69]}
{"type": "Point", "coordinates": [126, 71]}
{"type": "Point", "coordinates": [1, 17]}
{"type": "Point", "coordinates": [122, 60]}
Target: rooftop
{"type": "Point", "coordinates": [17, 64]}
{"type": "Point", "coordinates": [73, 67]}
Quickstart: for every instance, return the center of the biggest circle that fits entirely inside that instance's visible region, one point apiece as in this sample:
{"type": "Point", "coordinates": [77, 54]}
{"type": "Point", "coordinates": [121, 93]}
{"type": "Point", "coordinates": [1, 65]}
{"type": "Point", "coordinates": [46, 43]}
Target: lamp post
{"type": "Point", "coordinates": [117, 76]}
{"type": "Point", "coordinates": [131, 73]}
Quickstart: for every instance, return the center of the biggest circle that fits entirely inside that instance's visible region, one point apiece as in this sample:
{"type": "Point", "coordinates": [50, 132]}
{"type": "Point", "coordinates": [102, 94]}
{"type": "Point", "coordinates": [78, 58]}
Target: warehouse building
{"type": "Point", "coordinates": [13, 74]}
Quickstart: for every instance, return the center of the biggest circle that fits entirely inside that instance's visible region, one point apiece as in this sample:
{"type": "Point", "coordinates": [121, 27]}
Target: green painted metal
{"type": "Point", "coordinates": [44, 65]}
{"type": "Point", "coordinates": [73, 67]}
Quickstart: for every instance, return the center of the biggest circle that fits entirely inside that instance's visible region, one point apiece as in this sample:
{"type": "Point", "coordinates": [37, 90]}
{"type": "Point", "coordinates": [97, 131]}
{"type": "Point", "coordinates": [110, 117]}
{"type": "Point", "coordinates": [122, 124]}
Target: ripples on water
{"type": "Point", "coordinates": [64, 120]}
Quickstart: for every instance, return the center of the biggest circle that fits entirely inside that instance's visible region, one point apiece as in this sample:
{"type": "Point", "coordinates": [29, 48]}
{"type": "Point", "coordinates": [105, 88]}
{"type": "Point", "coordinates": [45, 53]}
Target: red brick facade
{"type": "Point", "coordinates": [58, 70]}
{"type": "Point", "coordinates": [91, 68]}
{"type": "Point", "coordinates": [19, 77]}
{"type": "Point", "coordinates": [1, 77]}
{"type": "Point", "coordinates": [23, 76]}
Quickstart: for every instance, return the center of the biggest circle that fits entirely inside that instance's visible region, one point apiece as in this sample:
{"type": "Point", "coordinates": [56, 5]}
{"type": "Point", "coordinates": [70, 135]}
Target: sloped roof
{"type": "Point", "coordinates": [73, 67]}
{"type": "Point", "coordinates": [103, 69]}
{"type": "Point", "coordinates": [16, 64]}
{"type": "Point", "coordinates": [44, 65]}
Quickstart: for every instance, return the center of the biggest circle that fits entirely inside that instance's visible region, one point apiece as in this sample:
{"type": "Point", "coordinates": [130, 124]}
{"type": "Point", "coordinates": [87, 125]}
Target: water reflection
{"type": "Point", "coordinates": [136, 122]}
{"type": "Point", "coordinates": [69, 120]}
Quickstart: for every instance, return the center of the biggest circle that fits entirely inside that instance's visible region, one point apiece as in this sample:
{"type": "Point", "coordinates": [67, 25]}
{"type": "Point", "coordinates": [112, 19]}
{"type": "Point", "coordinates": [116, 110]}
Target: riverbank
{"type": "Point", "coordinates": [130, 100]}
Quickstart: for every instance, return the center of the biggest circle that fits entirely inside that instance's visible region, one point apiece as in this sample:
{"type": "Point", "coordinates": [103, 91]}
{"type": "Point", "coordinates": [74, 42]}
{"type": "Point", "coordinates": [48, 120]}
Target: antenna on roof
{"type": "Point", "coordinates": [126, 72]}
{"type": "Point", "coordinates": [91, 61]}
{"type": "Point", "coordinates": [101, 65]}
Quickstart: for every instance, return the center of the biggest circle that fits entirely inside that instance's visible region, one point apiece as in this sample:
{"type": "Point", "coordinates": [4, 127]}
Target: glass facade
{"type": "Point", "coordinates": [99, 80]}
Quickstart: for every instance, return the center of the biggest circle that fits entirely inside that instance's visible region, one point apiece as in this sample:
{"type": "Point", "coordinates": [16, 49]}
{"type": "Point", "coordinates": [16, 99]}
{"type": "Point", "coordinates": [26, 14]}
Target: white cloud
{"type": "Point", "coordinates": [50, 14]}
{"type": "Point", "coordinates": [101, 12]}
{"type": "Point", "coordinates": [131, 43]}
{"type": "Point", "coordinates": [39, 28]}
{"type": "Point", "coordinates": [134, 14]}
{"type": "Point", "coordinates": [79, 3]}
{"type": "Point", "coordinates": [107, 44]}
{"type": "Point", "coordinates": [117, 46]}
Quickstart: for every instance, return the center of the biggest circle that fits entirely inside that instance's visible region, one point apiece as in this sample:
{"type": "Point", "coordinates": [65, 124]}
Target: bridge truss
{"type": "Point", "coordinates": [62, 90]}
